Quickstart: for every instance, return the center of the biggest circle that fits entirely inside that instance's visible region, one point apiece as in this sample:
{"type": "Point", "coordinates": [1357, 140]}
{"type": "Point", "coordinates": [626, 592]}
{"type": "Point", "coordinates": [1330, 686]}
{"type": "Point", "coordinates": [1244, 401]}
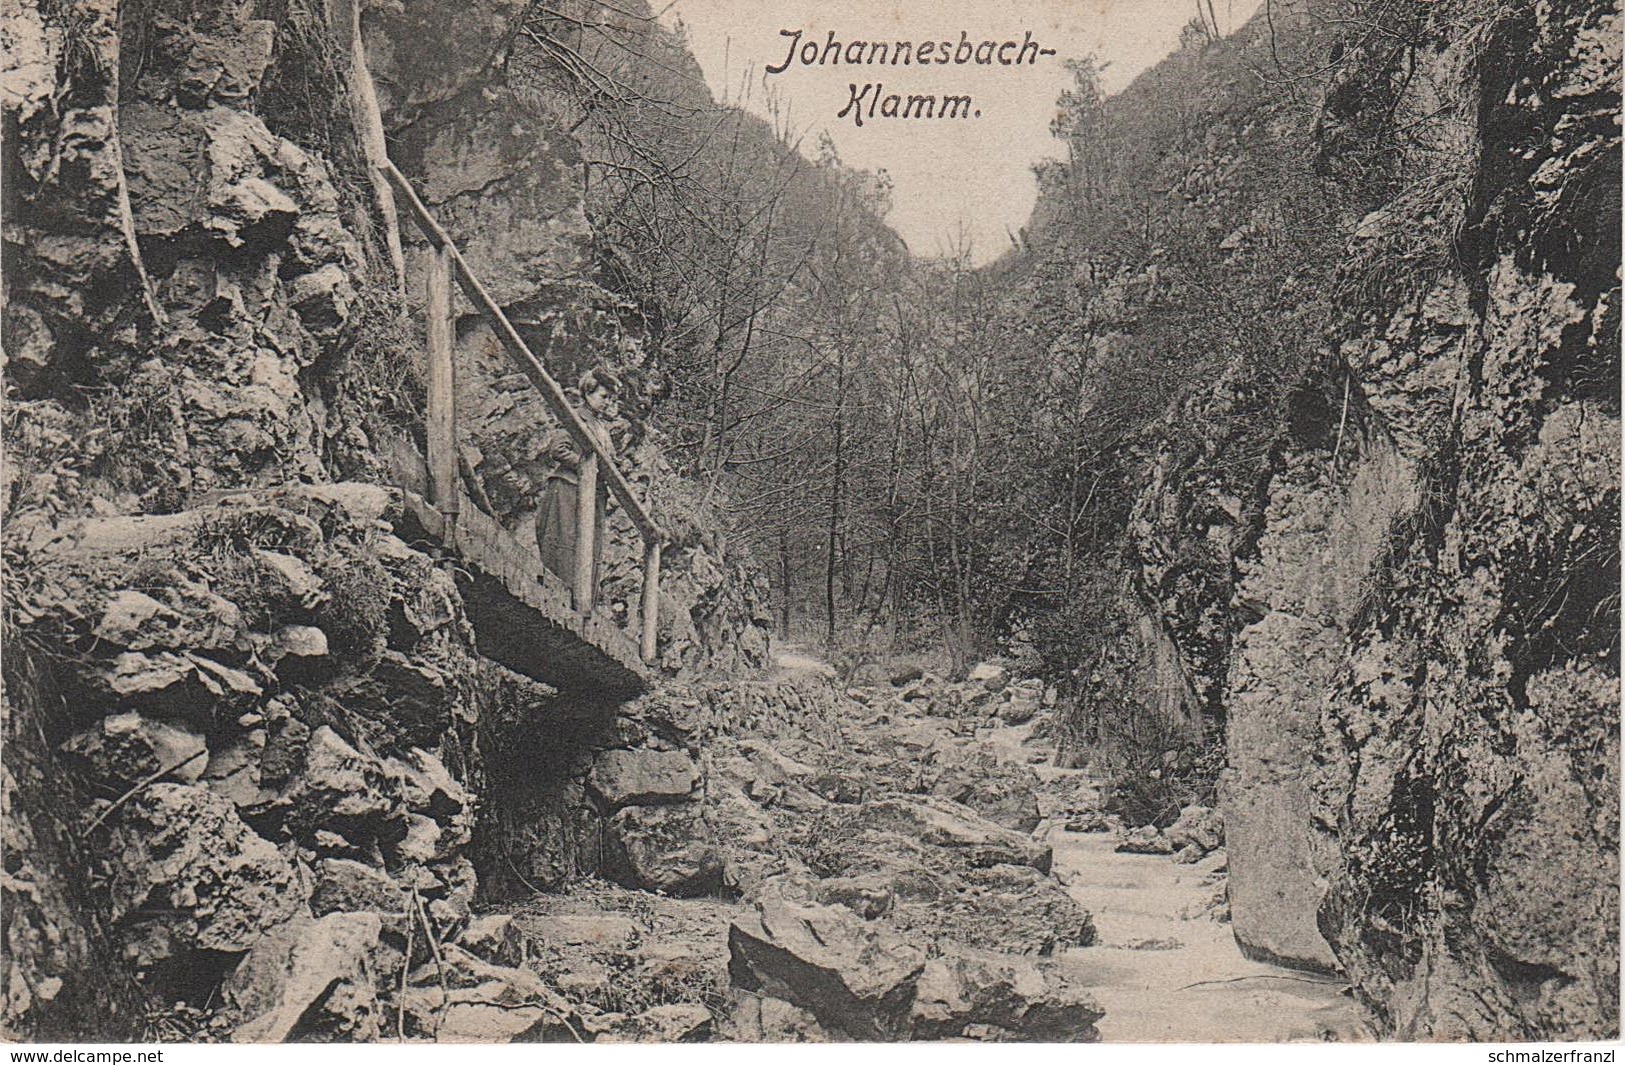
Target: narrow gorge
{"type": "Point", "coordinates": [1198, 623]}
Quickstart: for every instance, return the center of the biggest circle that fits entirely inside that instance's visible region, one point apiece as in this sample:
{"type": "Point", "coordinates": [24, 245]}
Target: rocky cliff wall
{"type": "Point", "coordinates": [1418, 630]}
{"type": "Point", "coordinates": [242, 716]}
{"type": "Point", "coordinates": [1484, 674]}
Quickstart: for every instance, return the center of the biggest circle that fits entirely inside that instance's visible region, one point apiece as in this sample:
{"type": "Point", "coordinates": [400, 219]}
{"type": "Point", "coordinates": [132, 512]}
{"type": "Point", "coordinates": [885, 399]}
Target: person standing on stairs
{"type": "Point", "coordinates": [556, 515]}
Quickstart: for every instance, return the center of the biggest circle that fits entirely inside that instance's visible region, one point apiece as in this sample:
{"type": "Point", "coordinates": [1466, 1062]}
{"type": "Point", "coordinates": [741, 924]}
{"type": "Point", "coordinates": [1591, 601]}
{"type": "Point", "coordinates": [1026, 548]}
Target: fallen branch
{"type": "Point", "coordinates": [406, 967]}
{"type": "Point", "coordinates": [1343, 421]}
{"type": "Point", "coordinates": [140, 787]}
{"type": "Point", "coordinates": [439, 962]}
{"type": "Point", "coordinates": [529, 1003]}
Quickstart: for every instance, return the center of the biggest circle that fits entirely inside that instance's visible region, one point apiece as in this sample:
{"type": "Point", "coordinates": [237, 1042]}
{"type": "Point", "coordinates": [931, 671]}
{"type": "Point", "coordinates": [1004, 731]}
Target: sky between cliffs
{"type": "Point", "coordinates": [948, 175]}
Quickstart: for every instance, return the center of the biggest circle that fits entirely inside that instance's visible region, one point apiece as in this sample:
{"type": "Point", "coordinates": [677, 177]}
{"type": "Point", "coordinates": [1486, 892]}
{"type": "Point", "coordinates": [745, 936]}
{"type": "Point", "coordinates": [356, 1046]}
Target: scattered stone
{"type": "Point", "coordinates": [1154, 944]}
{"type": "Point", "coordinates": [425, 841]}
{"type": "Point", "coordinates": [487, 1003]}
{"type": "Point", "coordinates": [1201, 827]}
{"type": "Point", "coordinates": [494, 1012]}
{"type": "Point", "coordinates": [130, 618]}
{"type": "Point", "coordinates": [836, 787]}
{"type": "Point", "coordinates": [773, 766]}
{"type": "Point", "coordinates": [1147, 839]}
{"type": "Point", "coordinates": [990, 675]}
{"type": "Point", "coordinates": [764, 1019]}
{"type": "Point", "coordinates": [1090, 821]}
{"type": "Point", "coordinates": [1017, 909]}
{"type": "Point", "coordinates": [298, 641]}
{"type": "Point", "coordinates": [1023, 700]}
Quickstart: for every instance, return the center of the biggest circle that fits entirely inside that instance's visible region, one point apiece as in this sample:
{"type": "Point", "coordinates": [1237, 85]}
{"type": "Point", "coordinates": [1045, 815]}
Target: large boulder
{"type": "Point", "coordinates": [1013, 997]}
{"type": "Point", "coordinates": [311, 979]}
{"type": "Point", "coordinates": [947, 824]}
{"type": "Point", "coordinates": [856, 978]}
{"type": "Point", "coordinates": [346, 886]}
{"type": "Point", "coordinates": [1145, 839]}
{"type": "Point", "coordinates": [642, 777]}
{"type": "Point", "coordinates": [662, 848]}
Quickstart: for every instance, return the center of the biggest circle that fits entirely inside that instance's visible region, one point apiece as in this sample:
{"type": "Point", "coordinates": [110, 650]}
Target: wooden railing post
{"type": "Point", "coordinates": [649, 609]}
{"type": "Point", "coordinates": [597, 463]}
{"type": "Point", "coordinates": [441, 424]}
{"type": "Point", "coordinates": [584, 586]}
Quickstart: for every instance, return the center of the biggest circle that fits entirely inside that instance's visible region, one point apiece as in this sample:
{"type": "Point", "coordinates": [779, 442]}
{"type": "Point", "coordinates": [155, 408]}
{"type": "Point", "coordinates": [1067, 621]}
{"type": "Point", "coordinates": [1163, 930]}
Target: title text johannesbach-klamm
{"type": "Point", "coordinates": [870, 100]}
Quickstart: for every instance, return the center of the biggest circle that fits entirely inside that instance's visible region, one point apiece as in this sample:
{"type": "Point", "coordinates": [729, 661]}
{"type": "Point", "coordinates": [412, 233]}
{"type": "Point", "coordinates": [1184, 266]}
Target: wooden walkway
{"type": "Point", "coordinates": [522, 615]}
{"type": "Point", "coordinates": [524, 618]}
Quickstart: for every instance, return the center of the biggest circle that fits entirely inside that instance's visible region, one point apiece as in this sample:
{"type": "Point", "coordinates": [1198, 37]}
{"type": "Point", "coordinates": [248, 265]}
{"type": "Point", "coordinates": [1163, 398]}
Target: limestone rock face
{"type": "Point", "coordinates": [1407, 626]}
{"type": "Point", "coordinates": [1469, 768]}
{"type": "Point", "coordinates": [186, 874]}
{"type": "Point", "coordinates": [53, 933]}
{"type": "Point", "coordinates": [423, 52]}
{"type": "Point", "coordinates": [206, 354]}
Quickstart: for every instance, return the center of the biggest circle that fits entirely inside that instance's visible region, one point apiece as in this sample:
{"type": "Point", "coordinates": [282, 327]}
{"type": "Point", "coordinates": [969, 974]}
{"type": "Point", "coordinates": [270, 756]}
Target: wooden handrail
{"type": "Point", "coordinates": [527, 361]}
{"type": "Point", "coordinates": [597, 461]}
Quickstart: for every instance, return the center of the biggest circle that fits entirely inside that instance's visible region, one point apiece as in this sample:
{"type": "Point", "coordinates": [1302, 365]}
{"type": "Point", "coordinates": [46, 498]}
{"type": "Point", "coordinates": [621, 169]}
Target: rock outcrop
{"type": "Point", "coordinates": [1404, 620]}
{"type": "Point", "coordinates": [252, 716]}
